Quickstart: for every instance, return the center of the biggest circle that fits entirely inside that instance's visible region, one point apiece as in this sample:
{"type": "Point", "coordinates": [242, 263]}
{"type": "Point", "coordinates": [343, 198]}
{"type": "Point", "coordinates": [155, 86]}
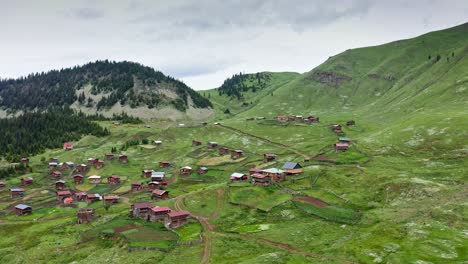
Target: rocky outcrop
{"type": "Point", "coordinates": [330, 78]}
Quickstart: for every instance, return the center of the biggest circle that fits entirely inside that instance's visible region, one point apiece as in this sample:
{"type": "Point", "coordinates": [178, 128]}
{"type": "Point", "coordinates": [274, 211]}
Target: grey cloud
{"type": "Point", "coordinates": [88, 13]}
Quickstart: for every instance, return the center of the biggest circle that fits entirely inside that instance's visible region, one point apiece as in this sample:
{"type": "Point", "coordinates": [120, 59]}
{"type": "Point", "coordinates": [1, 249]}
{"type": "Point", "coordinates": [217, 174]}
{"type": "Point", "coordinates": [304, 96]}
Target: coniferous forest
{"type": "Point", "coordinates": [240, 83]}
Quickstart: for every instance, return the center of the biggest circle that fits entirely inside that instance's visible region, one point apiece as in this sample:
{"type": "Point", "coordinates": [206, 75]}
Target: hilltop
{"type": "Point", "coordinates": [107, 88]}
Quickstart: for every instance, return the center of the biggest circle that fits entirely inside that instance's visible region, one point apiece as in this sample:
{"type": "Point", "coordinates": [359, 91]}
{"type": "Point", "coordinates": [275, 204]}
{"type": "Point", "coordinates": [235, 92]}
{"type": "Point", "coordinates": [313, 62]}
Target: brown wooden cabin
{"type": "Point", "coordinates": [136, 186]}
{"type": "Point", "coordinates": [140, 209]}
{"type": "Point", "coordinates": [276, 175]}
{"type": "Point", "coordinates": [81, 168]}
{"type": "Point", "coordinates": [26, 181]}
{"type": "Point", "coordinates": [68, 165]}
{"type": "Point", "coordinates": [158, 176]}
{"type": "Point", "coordinates": [350, 123]}
{"type": "Point", "coordinates": [293, 171]}
{"type": "Point", "coordinates": [78, 178]}
{"type": "Point", "coordinates": [98, 164]}
{"type": "Point", "coordinates": [53, 160]}
{"type": "Point", "coordinates": [202, 170]}
{"type": "Point", "coordinates": [59, 185]}
{"type": "Point", "coordinates": [15, 192]}
{"type": "Point", "coordinates": [91, 161]}
{"type": "Point", "coordinates": [341, 146]}
{"type": "Point", "coordinates": [80, 196]}
{"type": "Point", "coordinates": [24, 160]}
{"type": "Point", "coordinates": [146, 173]}
{"type": "Point", "coordinates": [53, 165]}
{"type": "Point", "coordinates": [254, 170]}
{"type": "Point", "coordinates": [109, 156]}
{"type": "Point", "coordinates": [196, 143]}
{"type": "Point", "coordinates": [111, 199]}
{"type": "Point", "coordinates": [235, 154]}
{"type": "Point", "coordinates": [23, 209]}
{"type": "Point", "coordinates": [313, 119]}
{"type": "Point", "coordinates": [164, 164]}
{"type": "Point", "coordinates": [177, 218]}
{"type": "Point", "coordinates": [267, 157]}
{"type": "Point", "coordinates": [85, 215]}
{"type": "Point", "coordinates": [185, 170]}
{"type": "Point", "coordinates": [56, 175]}
{"type": "Point", "coordinates": [160, 194]}
{"type": "Point", "coordinates": [68, 145]}
{"type": "Point", "coordinates": [336, 128]}
{"type": "Point", "coordinates": [238, 177]}
{"type": "Point", "coordinates": [2, 185]}
{"type": "Point", "coordinates": [212, 145]}
{"type": "Point", "coordinates": [92, 197]}
{"type": "Point", "coordinates": [114, 179]}
{"type": "Point", "coordinates": [153, 186]}
{"type": "Point", "coordinates": [260, 179]}
{"type": "Point", "coordinates": [60, 195]}
{"type": "Point", "coordinates": [159, 213]}
{"type": "Point", "coordinates": [223, 151]}
{"type": "Point", "coordinates": [292, 118]}
{"type": "Point", "coordinates": [123, 158]}
{"type": "Point", "coordinates": [282, 117]}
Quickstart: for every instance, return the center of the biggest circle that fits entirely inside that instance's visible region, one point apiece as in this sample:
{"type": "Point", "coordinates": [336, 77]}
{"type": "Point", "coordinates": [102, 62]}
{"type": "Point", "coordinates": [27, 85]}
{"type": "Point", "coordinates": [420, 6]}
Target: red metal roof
{"type": "Point", "coordinates": [161, 209]}
{"type": "Point", "coordinates": [178, 213]}
{"type": "Point", "coordinates": [255, 170]}
{"type": "Point", "coordinates": [60, 193]}
{"type": "Point", "coordinates": [111, 197]}
{"type": "Point", "coordinates": [142, 205]}
{"type": "Point", "coordinates": [159, 192]}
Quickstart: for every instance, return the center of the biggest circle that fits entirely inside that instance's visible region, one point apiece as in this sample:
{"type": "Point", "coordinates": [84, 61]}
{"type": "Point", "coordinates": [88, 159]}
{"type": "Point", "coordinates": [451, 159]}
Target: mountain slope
{"type": "Point", "coordinates": [101, 86]}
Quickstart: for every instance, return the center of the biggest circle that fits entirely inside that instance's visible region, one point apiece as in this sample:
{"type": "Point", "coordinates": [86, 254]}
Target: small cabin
{"type": "Point", "coordinates": [114, 179]}
{"type": "Point", "coordinates": [68, 200]}
{"type": "Point", "coordinates": [202, 170]}
{"type": "Point", "coordinates": [260, 179]}
{"type": "Point", "coordinates": [78, 178]}
{"type": "Point", "coordinates": [223, 151]}
{"type": "Point", "coordinates": [94, 179]}
{"type": "Point", "coordinates": [68, 145]}
{"type": "Point", "coordinates": [81, 168]}
{"type": "Point", "coordinates": [212, 144]}
{"type": "Point", "coordinates": [27, 181]}
{"type": "Point", "coordinates": [196, 143]}
{"type": "Point", "coordinates": [164, 164]}
{"type": "Point", "coordinates": [56, 175]}
{"type": "Point", "coordinates": [68, 165]}
{"type": "Point", "coordinates": [336, 128]}
{"type": "Point", "coordinates": [292, 118]}
{"type": "Point", "coordinates": [236, 154]}
{"type": "Point", "coordinates": [185, 170]}
{"type": "Point", "coordinates": [158, 142]}
{"type": "Point", "coordinates": [80, 196]}
{"type": "Point", "coordinates": [60, 185]}
{"type": "Point", "coordinates": [344, 139]}
{"type": "Point", "coordinates": [275, 174]}
{"type": "Point", "coordinates": [136, 186]}
{"type": "Point", "coordinates": [254, 170]}
{"type": "Point", "coordinates": [123, 158]}
{"type": "Point", "coordinates": [282, 117]}
{"type": "Point", "coordinates": [238, 177]}
{"type": "Point", "coordinates": [312, 119]}
{"type": "Point", "coordinates": [160, 194]}
{"type": "Point", "coordinates": [159, 213]}
{"type": "Point", "coordinates": [23, 209]}
{"type": "Point", "coordinates": [109, 156]}
{"type": "Point", "coordinates": [98, 164]}
{"type": "Point", "coordinates": [146, 173]}
{"type": "Point", "coordinates": [24, 160]}
{"type": "Point", "coordinates": [341, 146]}
{"type": "Point", "coordinates": [93, 197]}
{"type": "Point", "coordinates": [292, 168]}
{"type": "Point", "coordinates": [53, 165]}
{"type": "Point", "coordinates": [140, 209]}
{"type": "Point", "coordinates": [153, 186]}
{"type": "Point", "coordinates": [53, 160]}
{"type": "Point", "coordinates": [350, 123]}
{"type": "Point", "coordinates": [85, 215]}
{"type": "Point", "coordinates": [177, 218]}
{"type": "Point", "coordinates": [16, 192]}
{"type": "Point", "coordinates": [267, 157]}
{"type": "Point", "coordinates": [2, 185]}
{"type": "Point", "coordinates": [111, 199]}
{"type": "Point", "coordinates": [91, 161]}
{"type": "Point", "coordinates": [158, 176]}
{"type": "Point", "coordinates": [60, 195]}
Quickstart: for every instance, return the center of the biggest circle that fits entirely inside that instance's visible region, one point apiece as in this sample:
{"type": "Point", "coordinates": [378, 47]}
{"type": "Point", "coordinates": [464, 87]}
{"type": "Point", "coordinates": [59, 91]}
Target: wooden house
{"type": "Point", "coordinates": [237, 153]}
{"type": "Point", "coordinates": [98, 164]}
{"type": "Point", "coordinates": [56, 175]}
{"type": "Point", "coordinates": [196, 143]}
{"type": "Point", "coordinates": [60, 195]}
{"type": "Point", "coordinates": [341, 146]}
{"type": "Point", "coordinates": [53, 160]}
{"type": "Point", "coordinates": [26, 181]}
{"type": "Point", "coordinates": [292, 118]}
{"type": "Point", "coordinates": [160, 194]}
{"type": "Point", "coordinates": [238, 177]}
{"type": "Point", "coordinates": [136, 186]}
{"type": "Point", "coordinates": [68, 145]}
{"type": "Point", "coordinates": [80, 196]}
{"type": "Point", "coordinates": [68, 165]}
{"type": "Point", "coordinates": [85, 215]}
{"type": "Point", "coordinates": [53, 165]}
{"type": "Point", "coordinates": [212, 144]}
{"type": "Point", "coordinates": [312, 119]}
{"type": "Point", "coordinates": [158, 142]}
{"type": "Point", "coordinates": [146, 173]}
{"type": "Point", "coordinates": [60, 185]}
{"type": "Point", "coordinates": [254, 170]}
{"type": "Point", "coordinates": [336, 128]}
{"type": "Point", "coordinates": [158, 176]}
{"type": "Point", "coordinates": [15, 192]}
{"type": "Point", "coordinates": [282, 118]}
{"type": "Point", "coordinates": [141, 209]}
{"type": "Point", "coordinates": [114, 179]}
{"type": "Point", "coordinates": [24, 160]}
{"type": "Point", "coordinates": [177, 218]}
{"type": "Point", "coordinates": [344, 139]}
{"type": "Point", "coordinates": [123, 158]}
{"type": "Point", "coordinates": [78, 178]}
{"type": "Point", "coordinates": [109, 156]}
{"type": "Point", "coordinates": [267, 157]}
{"type": "Point", "coordinates": [223, 151]}
{"type": "Point", "coordinates": [111, 199]}
{"type": "Point", "coordinates": [202, 170]}
{"type": "Point", "coordinates": [23, 209]}
{"type": "Point", "coordinates": [2, 185]}
{"type": "Point", "coordinates": [93, 197]}
{"type": "Point", "coordinates": [185, 170]}
{"type": "Point", "coordinates": [91, 161]}
{"type": "Point", "coordinates": [292, 168]}
{"type": "Point", "coordinates": [350, 123]}
{"type": "Point", "coordinates": [260, 179]}
{"type": "Point", "coordinates": [164, 164]}
{"type": "Point", "coordinates": [81, 168]}
{"type": "Point", "coordinates": [159, 213]}
{"type": "Point", "coordinates": [94, 179]}
{"type": "Point", "coordinates": [275, 174]}
{"type": "Point", "coordinates": [153, 186]}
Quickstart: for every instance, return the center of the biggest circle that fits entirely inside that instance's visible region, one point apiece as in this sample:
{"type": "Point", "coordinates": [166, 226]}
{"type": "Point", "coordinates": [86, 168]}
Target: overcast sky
{"type": "Point", "coordinates": [204, 41]}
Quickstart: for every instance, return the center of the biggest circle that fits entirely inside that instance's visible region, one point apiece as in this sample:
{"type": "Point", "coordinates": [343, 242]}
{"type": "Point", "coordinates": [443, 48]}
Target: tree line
{"type": "Point", "coordinates": [240, 83]}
